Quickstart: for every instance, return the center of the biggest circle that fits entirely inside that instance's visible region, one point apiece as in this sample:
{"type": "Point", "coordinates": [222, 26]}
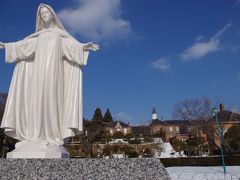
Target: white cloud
{"type": "Point", "coordinates": [201, 49]}
{"type": "Point", "coordinates": [96, 20]}
{"type": "Point", "coordinates": [123, 116]}
{"type": "Point", "coordinates": [237, 2]}
{"type": "Point", "coordinates": [161, 64]}
{"type": "Point", "coordinates": [238, 76]}
{"type": "Point", "coordinates": [235, 48]}
{"type": "Point", "coordinates": [221, 31]}
{"type": "Point", "coordinates": [199, 38]}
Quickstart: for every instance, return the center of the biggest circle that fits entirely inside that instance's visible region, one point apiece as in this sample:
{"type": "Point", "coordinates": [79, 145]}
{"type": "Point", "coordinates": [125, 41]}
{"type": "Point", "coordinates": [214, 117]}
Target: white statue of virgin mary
{"type": "Point", "coordinates": [44, 104]}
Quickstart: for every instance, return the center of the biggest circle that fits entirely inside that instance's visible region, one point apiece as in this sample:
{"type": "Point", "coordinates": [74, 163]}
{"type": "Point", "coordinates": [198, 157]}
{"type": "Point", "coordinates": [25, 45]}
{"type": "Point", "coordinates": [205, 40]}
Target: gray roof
{"type": "Point", "coordinates": [114, 123]}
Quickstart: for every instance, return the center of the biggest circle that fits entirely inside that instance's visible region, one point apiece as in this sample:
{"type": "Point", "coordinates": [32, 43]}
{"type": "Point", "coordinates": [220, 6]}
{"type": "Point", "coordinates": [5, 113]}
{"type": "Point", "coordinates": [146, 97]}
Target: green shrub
{"type": "Point", "coordinates": [133, 154]}
{"type": "Point", "coordinates": [200, 161]}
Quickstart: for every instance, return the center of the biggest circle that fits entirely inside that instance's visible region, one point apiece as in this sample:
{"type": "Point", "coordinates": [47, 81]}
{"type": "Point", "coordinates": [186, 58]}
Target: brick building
{"type": "Point", "coordinates": [226, 120]}
{"type": "Point", "coordinates": [118, 126]}
{"type": "Point", "coordinates": [185, 129]}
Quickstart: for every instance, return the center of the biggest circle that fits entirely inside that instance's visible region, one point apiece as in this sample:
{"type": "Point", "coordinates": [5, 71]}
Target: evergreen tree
{"type": "Point", "coordinates": [232, 136]}
{"type": "Point", "coordinates": [107, 116]}
{"type": "Point", "coordinates": [97, 116]}
{"type": "Point", "coordinates": [118, 135]}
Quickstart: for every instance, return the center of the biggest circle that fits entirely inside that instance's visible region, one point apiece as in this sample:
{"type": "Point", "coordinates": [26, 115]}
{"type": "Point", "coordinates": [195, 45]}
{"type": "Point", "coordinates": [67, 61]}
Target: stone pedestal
{"type": "Point", "coordinates": [83, 169]}
{"type": "Point", "coordinates": [30, 150]}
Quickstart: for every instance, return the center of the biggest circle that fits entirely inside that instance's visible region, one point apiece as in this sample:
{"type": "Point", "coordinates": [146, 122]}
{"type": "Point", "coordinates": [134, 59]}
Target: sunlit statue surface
{"type": "Point", "coordinates": [44, 104]}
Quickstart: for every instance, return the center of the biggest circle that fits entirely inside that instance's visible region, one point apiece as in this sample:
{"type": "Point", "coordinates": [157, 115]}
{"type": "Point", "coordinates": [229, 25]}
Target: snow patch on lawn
{"type": "Point", "coordinates": [204, 172]}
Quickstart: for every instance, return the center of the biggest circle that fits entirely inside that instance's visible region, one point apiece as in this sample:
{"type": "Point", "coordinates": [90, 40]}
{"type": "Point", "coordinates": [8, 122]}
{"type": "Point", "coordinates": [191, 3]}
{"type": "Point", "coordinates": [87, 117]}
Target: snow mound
{"type": "Point", "coordinates": [168, 152]}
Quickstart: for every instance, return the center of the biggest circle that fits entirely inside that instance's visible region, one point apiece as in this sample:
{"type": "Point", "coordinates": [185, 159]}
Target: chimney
{"type": "Point", "coordinates": [221, 107]}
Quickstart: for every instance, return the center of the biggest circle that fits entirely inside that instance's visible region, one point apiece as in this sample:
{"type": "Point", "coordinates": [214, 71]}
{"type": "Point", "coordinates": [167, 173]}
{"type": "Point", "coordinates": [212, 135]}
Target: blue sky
{"type": "Point", "coordinates": [158, 51]}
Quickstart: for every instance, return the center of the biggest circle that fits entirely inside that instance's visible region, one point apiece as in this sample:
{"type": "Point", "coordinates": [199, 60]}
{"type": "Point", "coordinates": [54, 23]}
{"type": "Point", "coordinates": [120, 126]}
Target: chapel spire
{"type": "Point", "coordinates": [154, 113]}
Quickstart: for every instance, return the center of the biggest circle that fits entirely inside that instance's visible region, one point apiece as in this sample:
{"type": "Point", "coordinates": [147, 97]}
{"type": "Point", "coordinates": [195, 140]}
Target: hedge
{"type": "Point", "coordinates": [201, 161]}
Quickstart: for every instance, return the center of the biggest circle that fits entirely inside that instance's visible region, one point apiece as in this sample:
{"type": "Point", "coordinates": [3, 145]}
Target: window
{"type": "Point", "coordinates": [111, 131]}
{"type": "Point", "coordinates": [118, 129]}
{"type": "Point", "coordinates": [224, 130]}
{"type": "Point", "coordinates": [177, 128]}
{"type": "Point", "coordinates": [184, 140]}
{"type": "Point", "coordinates": [125, 131]}
{"type": "Point", "coordinates": [170, 128]}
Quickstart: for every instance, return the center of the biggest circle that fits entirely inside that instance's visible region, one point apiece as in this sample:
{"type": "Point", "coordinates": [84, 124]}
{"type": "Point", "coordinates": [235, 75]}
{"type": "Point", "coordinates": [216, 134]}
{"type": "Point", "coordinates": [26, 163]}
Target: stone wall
{"type": "Point", "coordinates": [82, 169]}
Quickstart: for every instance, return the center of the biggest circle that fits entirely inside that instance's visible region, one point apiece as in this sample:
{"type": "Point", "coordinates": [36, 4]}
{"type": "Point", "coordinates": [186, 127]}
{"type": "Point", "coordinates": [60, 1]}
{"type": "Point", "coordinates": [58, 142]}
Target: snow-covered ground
{"type": "Point", "coordinates": [204, 172]}
{"type": "Point", "coordinates": [197, 172]}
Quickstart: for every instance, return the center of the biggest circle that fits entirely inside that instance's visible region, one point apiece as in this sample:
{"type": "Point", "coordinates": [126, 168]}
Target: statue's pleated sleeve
{"type": "Point", "coordinates": [21, 50]}
{"type": "Point", "coordinates": [73, 51]}
{"type": "Point", "coordinates": [75, 57]}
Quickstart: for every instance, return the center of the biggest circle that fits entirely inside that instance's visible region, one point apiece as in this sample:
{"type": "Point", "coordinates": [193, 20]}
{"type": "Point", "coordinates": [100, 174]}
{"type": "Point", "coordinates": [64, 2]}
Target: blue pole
{"type": "Point", "coordinates": [220, 141]}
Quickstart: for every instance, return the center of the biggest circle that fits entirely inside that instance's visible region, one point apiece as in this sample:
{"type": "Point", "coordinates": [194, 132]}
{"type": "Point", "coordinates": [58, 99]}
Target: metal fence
{"type": "Point", "coordinates": [201, 176]}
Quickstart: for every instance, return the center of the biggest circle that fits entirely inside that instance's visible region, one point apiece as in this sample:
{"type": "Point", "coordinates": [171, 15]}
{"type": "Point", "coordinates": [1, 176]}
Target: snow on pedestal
{"type": "Point", "coordinates": [34, 150]}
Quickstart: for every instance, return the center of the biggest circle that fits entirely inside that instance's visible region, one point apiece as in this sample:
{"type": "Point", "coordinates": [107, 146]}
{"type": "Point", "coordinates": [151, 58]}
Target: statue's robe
{"type": "Point", "coordinates": [45, 96]}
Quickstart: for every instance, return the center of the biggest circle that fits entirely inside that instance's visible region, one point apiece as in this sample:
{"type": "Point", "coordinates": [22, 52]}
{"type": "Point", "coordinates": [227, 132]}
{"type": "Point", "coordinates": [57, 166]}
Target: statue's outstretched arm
{"type": "Point", "coordinates": [90, 46]}
{"type": "Point", "coordinates": [2, 45]}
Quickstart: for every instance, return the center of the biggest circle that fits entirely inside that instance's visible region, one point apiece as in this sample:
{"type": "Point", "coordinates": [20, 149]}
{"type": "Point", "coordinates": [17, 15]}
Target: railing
{"type": "Point", "coordinates": [202, 176]}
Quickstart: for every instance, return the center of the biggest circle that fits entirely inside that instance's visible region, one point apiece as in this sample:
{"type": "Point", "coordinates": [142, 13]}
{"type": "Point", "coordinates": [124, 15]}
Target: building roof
{"type": "Point", "coordinates": [226, 116]}
{"type": "Point", "coordinates": [114, 123]}
{"type": "Point", "coordinates": [156, 122]}
{"type": "Point", "coordinates": [168, 122]}
{"type": "Point", "coordinates": [223, 116]}
{"type": "Point", "coordinates": [176, 122]}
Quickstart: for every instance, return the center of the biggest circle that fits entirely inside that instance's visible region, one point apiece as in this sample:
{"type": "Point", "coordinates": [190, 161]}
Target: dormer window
{"type": "Point", "coordinates": [118, 126]}
{"type": "Point", "coordinates": [177, 128]}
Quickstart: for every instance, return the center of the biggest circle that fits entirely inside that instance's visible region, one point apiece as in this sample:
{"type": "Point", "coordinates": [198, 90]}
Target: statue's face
{"type": "Point", "coordinates": [46, 15]}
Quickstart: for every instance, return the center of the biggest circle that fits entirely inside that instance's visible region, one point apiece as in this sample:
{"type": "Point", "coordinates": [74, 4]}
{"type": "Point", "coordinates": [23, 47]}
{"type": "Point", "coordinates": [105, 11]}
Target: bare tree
{"type": "Point", "coordinates": [199, 114]}
{"type": "Point", "coordinates": [196, 109]}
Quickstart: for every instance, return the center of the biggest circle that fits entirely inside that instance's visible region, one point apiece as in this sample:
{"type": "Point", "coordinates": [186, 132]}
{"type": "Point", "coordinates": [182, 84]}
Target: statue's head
{"type": "Point", "coordinates": [46, 15]}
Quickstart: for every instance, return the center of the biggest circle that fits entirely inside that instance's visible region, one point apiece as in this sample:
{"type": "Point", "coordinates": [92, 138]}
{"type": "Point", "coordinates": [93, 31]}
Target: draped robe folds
{"type": "Point", "coordinates": [45, 96]}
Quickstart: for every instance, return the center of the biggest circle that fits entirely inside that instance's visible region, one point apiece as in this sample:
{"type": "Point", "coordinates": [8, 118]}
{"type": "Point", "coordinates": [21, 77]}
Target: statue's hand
{"type": "Point", "coordinates": [90, 46]}
{"type": "Point", "coordinates": [2, 45]}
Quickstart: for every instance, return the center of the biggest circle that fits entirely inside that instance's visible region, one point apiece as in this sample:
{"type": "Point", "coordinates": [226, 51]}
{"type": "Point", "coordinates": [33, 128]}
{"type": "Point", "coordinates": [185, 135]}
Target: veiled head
{"type": "Point", "coordinates": [46, 14]}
